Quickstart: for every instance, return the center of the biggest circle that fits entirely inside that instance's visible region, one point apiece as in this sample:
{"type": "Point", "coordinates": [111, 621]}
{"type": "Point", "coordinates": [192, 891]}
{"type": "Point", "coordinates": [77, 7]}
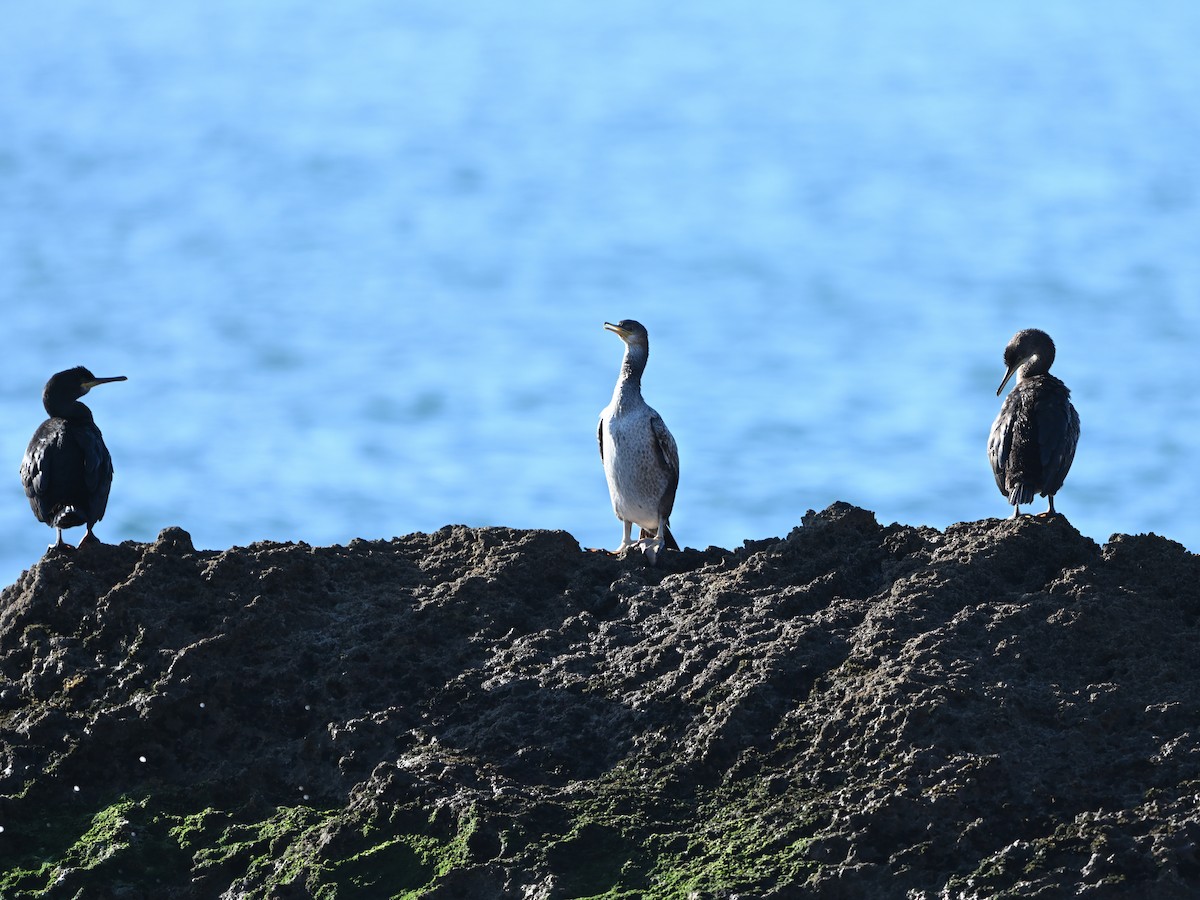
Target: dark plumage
{"type": "Point", "coordinates": [641, 460]}
{"type": "Point", "coordinates": [1033, 440]}
{"type": "Point", "coordinates": [67, 471]}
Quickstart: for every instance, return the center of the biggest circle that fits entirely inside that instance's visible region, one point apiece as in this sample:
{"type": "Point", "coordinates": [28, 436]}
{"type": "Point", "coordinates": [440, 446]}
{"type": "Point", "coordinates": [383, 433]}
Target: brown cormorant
{"type": "Point", "coordinates": [67, 471]}
{"type": "Point", "coordinates": [641, 460]}
{"type": "Point", "coordinates": [1033, 440]}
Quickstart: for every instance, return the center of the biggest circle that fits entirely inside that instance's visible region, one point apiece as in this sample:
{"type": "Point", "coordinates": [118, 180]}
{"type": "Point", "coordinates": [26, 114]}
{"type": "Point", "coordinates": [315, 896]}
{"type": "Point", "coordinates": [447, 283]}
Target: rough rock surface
{"type": "Point", "coordinates": [1003, 709]}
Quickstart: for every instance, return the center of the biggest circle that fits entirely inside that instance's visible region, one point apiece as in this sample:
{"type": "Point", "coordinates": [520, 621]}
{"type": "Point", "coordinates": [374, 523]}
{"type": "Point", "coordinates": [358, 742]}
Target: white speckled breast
{"type": "Point", "coordinates": [636, 477]}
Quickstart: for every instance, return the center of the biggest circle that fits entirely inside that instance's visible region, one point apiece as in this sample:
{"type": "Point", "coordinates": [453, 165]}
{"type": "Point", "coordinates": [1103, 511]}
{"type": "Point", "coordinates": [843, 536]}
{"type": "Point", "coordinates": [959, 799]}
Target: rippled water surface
{"type": "Point", "coordinates": [355, 258]}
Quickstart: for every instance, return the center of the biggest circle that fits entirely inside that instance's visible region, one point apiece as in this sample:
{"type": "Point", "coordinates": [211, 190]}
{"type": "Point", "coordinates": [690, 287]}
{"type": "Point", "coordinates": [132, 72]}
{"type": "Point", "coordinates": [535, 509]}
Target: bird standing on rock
{"type": "Point", "coordinates": [641, 460]}
{"type": "Point", "coordinates": [67, 471]}
{"type": "Point", "coordinates": [1032, 443]}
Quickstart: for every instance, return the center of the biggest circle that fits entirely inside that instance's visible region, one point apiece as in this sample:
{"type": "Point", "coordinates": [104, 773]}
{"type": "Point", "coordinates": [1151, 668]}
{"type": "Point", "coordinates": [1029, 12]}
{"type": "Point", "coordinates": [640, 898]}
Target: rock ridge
{"type": "Point", "coordinates": [1002, 709]}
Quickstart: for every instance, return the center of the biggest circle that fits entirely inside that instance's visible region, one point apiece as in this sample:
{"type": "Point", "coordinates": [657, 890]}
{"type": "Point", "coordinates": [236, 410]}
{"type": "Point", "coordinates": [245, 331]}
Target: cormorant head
{"type": "Point", "coordinates": [1030, 352]}
{"type": "Point", "coordinates": [65, 387]}
{"type": "Point", "coordinates": [631, 332]}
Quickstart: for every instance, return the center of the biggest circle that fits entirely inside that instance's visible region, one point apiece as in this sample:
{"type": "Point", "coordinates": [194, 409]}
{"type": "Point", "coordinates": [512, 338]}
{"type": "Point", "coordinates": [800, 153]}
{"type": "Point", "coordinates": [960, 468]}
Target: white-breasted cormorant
{"type": "Point", "coordinates": [67, 471]}
{"type": "Point", "coordinates": [1033, 439]}
{"type": "Point", "coordinates": [641, 460]}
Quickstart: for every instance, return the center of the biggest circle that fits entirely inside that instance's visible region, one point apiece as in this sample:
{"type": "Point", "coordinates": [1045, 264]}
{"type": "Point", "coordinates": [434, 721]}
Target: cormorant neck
{"type": "Point", "coordinates": [58, 408]}
{"type": "Point", "coordinates": [633, 364]}
{"type": "Point", "coordinates": [1036, 365]}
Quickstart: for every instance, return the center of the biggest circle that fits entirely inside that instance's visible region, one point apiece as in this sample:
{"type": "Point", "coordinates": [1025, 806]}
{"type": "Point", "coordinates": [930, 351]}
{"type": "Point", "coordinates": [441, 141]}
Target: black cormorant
{"type": "Point", "coordinates": [67, 471]}
{"type": "Point", "coordinates": [641, 461]}
{"type": "Point", "coordinates": [1033, 439]}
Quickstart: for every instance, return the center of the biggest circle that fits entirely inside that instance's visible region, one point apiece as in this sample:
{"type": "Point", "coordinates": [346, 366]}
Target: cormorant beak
{"type": "Point", "coordinates": [1015, 367]}
{"type": "Point", "coordinates": [88, 385]}
{"type": "Point", "coordinates": [617, 330]}
{"type": "Point", "coordinates": [1007, 375]}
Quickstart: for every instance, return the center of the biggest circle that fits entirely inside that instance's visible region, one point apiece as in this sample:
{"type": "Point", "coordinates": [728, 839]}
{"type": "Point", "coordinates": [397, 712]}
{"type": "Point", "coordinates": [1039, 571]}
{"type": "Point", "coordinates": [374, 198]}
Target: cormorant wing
{"type": "Point", "coordinates": [1058, 435]}
{"type": "Point", "coordinates": [1000, 440]}
{"type": "Point", "coordinates": [97, 467]}
{"type": "Point", "coordinates": [668, 456]}
{"type": "Point", "coordinates": [35, 477]}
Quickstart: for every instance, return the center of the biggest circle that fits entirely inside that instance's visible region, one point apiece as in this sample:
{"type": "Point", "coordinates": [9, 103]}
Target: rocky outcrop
{"type": "Point", "coordinates": [1003, 709]}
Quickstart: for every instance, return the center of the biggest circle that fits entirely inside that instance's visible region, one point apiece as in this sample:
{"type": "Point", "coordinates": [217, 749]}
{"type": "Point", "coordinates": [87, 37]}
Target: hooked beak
{"type": "Point", "coordinates": [88, 385]}
{"type": "Point", "coordinates": [617, 330]}
{"type": "Point", "coordinates": [1007, 375]}
{"type": "Point", "coordinates": [1015, 367]}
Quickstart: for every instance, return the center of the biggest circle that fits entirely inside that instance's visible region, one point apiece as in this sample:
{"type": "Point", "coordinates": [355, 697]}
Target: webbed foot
{"type": "Point", "coordinates": [60, 545]}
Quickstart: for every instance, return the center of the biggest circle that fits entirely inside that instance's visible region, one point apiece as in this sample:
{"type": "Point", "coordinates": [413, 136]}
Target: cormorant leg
{"type": "Point", "coordinates": [1016, 511]}
{"type": "Point", "coordinates": [59, 544]}
{"type": "Point", "coordinates": [1050, 512]}
{"type": "Point", "coordinates": [89, 537]}
{"type": "Point", "coordinates": [625, 541]}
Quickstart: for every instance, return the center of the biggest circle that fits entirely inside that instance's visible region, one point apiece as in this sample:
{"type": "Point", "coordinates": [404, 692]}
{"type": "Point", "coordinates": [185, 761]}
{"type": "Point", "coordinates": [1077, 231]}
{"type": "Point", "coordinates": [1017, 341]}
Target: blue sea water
{"type": "Point", "coordinates": [355, 257]}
